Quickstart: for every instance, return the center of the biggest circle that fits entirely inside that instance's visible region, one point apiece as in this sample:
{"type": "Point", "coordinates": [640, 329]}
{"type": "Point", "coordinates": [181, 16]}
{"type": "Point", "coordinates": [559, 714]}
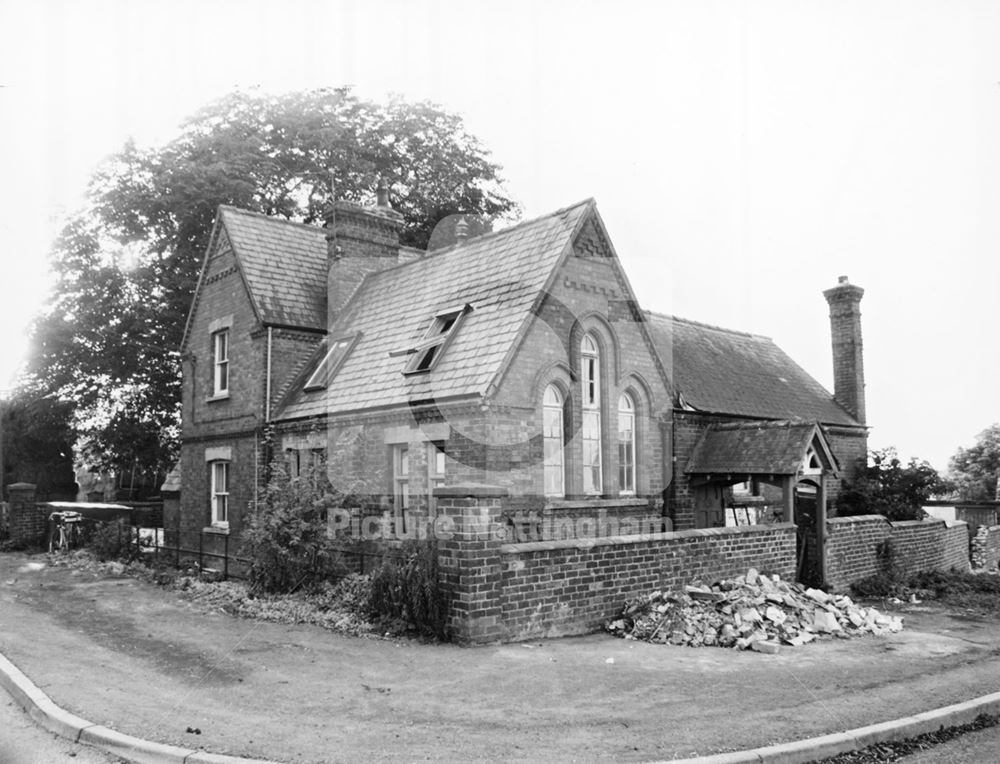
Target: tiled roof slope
{"type": "Point", "coordinates": [284, 264]}
{"type": "Point", "coordinates": [500, 275]}
{"type": "Point", "coordinates": [727, 372]}
{"type": "Point", "coordinates": [775, 448]}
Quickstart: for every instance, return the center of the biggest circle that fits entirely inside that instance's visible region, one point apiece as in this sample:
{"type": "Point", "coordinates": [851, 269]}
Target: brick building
{"type": "Point", "coordinates": [517, 359]}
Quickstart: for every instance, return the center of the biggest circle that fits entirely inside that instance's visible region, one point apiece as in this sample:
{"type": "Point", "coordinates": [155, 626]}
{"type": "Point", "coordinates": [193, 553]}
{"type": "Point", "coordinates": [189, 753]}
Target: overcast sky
{"type": "Point", "coordinates": [742, 154]}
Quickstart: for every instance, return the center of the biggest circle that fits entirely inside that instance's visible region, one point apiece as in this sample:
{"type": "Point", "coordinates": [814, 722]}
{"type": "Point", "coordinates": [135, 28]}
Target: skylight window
{"type": "Point", "coordinates": [331, 363]}
{"type": "Point", "coordinates": [439, 334]}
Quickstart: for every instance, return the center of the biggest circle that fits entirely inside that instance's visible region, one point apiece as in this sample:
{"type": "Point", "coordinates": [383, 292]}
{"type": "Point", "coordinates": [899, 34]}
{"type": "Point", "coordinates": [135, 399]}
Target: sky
{"type": "Point", "coordinates": [743, 155]}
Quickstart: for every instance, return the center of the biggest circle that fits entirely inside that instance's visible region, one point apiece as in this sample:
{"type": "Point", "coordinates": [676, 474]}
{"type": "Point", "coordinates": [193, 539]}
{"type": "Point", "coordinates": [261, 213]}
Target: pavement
{"type": "Point", "coordinates": [152, 674]}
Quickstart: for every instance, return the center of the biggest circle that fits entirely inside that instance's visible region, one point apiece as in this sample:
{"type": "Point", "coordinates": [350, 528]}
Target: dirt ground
{"type": "Point", "coordinates": [149, 662]}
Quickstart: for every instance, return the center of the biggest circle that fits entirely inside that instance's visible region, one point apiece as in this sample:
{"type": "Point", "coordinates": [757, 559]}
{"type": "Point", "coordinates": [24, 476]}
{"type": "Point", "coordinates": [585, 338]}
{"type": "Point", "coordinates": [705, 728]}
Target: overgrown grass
{"type": "Point", "coordinates": [974, 591]}
{"type": "Point", "coordinates": [407, 594]}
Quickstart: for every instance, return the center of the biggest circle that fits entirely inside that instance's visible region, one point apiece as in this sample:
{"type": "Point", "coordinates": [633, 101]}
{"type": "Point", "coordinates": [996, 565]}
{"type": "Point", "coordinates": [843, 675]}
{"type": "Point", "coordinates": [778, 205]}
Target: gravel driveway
{"type": "Point", "coordinates": [150, 662]}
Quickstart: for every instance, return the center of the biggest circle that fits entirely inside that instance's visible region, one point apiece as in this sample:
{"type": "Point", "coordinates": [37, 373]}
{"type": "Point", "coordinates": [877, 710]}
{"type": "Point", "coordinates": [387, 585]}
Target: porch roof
{"type": "Point", "coordinates": [759, 448]}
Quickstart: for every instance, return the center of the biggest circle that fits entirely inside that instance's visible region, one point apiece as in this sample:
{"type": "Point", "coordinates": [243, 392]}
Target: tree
{"type": "Point", "coordinates": [127, 264]}
{"type": "Point", "coordinates": [975, 471]}
{"type": "Point", "coordinates": [885, 486]}
{"type": "Point", "coordinates": [37, 444]}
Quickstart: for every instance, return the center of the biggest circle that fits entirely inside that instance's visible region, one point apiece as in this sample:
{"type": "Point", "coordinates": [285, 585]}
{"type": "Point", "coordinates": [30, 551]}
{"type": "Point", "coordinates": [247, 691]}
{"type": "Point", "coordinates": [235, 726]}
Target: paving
{"type": "Point", "coordinates": [123, 660]}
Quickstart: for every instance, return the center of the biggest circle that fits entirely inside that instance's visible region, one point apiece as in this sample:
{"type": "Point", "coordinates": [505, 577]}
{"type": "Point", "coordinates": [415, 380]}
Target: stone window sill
{"type": "Point", "coordinates": [218, 530]}
{"type": "Point", "coordinates": [220, 397]}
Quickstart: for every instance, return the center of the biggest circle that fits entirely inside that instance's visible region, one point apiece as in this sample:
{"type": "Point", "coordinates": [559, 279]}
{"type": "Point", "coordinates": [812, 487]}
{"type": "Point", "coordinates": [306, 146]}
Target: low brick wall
{"type": "Point", "coordinates": [503, 591]}
{"type": "Point", "coordinates": [986, 548]}
{"type": "Point", "coordinates": [853, 544]}
{"type": "Point", "coordinates": [555, 588]}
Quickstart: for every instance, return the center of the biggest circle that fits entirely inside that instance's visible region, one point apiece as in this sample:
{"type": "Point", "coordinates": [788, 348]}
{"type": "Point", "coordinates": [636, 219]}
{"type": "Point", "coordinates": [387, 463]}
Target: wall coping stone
{"type": "Point", "coordinates": [471, 491]}
{"type": "Point", "coordinates": [894, 523]}
{"type": "Point", "coordinates": [21, 487]}
{"type": "Point", "coordinates": [596, 502]}
{"type": "Point", "coordinates": [638, 538]}
{"type": "Point", "coordinates": [857, 519]}
{"type": "Point", "coordinates": [915, 523]}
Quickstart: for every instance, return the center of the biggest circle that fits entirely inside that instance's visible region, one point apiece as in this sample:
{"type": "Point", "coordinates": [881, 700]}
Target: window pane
{"type": "Point", "coordinates": [552, 442]}
{"type": "Point", "coordinates": [626, 444]}
{"type": "Point", "coordinates": [592, 482]}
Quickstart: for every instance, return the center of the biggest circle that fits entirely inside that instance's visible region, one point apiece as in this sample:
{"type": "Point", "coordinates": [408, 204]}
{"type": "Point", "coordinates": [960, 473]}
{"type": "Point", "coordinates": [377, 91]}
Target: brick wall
{"type": "Point", "coordinates": [27, 522]}
{"type": "Point", "coordinates": [508, 592]}
{"type": "Point", "coordinates": [853, 544]}
{"type": "Point", "coordinates": [986, 548]}
{"type": "Point", "coordinates": [246, 468]}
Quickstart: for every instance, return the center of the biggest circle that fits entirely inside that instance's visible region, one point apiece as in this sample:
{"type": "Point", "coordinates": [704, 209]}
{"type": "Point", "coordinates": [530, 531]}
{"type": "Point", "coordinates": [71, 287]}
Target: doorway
{"type": "Point", "coordinates": [810, 517]}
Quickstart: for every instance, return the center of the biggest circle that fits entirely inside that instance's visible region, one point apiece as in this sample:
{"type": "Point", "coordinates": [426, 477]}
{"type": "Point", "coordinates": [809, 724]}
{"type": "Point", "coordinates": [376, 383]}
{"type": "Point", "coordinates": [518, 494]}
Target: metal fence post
{"type": "Point", "coordinates": [201, 543]}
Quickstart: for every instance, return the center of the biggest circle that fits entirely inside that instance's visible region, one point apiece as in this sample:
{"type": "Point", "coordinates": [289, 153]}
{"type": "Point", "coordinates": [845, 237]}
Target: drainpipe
{"type": "Point", "coordinates": [267, 420]}
{"type": "Point", "coordinates": [267, 391]}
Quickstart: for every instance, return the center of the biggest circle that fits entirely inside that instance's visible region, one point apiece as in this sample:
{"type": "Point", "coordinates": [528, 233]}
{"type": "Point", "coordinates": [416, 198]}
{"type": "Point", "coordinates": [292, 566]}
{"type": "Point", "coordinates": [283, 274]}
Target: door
{"type": "Point", "coordinates": [709, 506]}
{"type": "Point", "coordinates": [808, 546]}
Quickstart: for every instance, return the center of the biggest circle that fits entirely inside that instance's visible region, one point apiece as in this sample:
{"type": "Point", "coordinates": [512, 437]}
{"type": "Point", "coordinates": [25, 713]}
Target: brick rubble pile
{"type": "Point", "coordinates": [980, 557]}
{"type": "Point", "coordinates": [754, 611]}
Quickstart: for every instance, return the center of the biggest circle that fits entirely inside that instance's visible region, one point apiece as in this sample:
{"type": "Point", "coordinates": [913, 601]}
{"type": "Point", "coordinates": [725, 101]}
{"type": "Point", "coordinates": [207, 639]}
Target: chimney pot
{"type": "Point", "coordinates": [461, 229]}
{"type": "Point", "coordinates": [842, 280]}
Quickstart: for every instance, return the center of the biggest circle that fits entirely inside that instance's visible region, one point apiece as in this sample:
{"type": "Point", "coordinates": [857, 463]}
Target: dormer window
{"type": "Point", "coordinates": [427, 354]}
{"type": "Point", "coordinates": [331, 363]}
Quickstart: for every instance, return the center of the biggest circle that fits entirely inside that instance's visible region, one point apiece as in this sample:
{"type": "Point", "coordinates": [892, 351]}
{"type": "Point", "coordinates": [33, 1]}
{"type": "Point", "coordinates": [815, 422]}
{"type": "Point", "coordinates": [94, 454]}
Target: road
{"type": "Point", "coordinates": [24, 742]}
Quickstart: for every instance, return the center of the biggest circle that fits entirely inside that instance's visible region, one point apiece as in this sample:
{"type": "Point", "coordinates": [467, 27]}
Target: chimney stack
{"type": "Point", "coordinates": [848, 357]}
{"type": "Point", "coordinates": [360, 241]}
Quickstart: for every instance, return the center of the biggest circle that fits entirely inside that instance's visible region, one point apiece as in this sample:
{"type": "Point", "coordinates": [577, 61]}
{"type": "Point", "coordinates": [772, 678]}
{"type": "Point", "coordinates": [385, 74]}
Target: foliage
{"type": "Point", "coordinates": [114, 540]}
{"type": "Point", "coordinates": [889, 577]}
{"type": "Point", "coordinates": [408, 591]}
{"type": "Point", "coordinates": [885, 486]}
{"type": "Point", "coordinates": [286, 538]}
{"type": "Point", "coordinates": [127, 265]}
{"type": "Point", "coordinates": [975, 471]}
{"type": "Point", "coordinates": [37, 443]}
{"type": "Point", "coordinates": [977, 591]}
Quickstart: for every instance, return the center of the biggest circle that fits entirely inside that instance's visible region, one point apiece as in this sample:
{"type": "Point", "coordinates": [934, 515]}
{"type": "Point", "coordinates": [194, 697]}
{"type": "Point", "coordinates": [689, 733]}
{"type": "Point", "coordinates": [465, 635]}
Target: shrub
{"type": "Point", "coordinates": [885, 486]}
{"type": "Point", "coordinates": [286, 538]}
{"type": "Point", "coordinates": [888, 580]}
{"type": "Point", "coordinates": [113, 540]}
{"type": "Point", "coordinates": [407, 590]}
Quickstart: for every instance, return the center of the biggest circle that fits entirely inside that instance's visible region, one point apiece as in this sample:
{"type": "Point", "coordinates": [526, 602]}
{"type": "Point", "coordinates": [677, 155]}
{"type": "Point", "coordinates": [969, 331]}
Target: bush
{"type": "Point", "coordinates": [885, 486]}
{"type": "Point", "coordinates": [286, 538]}
{"type": "Point", "coordinates": [408, 591]}
{"type": "Point", "coordinates": [888, 581]}
{"type": "Point", "coordinates": [112, 541]}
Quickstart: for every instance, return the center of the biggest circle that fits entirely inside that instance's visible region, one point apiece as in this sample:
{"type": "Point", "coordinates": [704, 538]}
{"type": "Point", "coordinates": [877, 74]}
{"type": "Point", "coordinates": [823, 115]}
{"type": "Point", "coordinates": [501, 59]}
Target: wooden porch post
{"type": "Point", "coordinates": [821, 527]}
{"type": "Point", "coordinates": [788, 497]}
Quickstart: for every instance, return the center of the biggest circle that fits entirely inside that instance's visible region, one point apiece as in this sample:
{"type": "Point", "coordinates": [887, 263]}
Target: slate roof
{"type": "Point", "coordinates": [722, 371]}
{"type": "Point", "coordinates": [284, 264]}
{"type": "Point", "coordinates": [761, 448]}
{"type": "Point", "coordinates": [499, 274]}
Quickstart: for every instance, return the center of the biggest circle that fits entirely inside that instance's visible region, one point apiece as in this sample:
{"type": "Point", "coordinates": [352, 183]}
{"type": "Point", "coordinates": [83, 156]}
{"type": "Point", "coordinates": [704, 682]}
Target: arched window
{"type": "Point", "coordinates": [552, 441]}
{"type": "Point", "coordinates": [590, 376]}
{"type": "Point", "coordinates": [626, 444]}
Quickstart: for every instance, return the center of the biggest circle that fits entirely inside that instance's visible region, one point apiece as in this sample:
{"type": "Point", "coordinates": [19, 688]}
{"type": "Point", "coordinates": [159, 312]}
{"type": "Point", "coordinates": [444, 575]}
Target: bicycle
{"type": "Point", "coordinates": [65, 534]}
